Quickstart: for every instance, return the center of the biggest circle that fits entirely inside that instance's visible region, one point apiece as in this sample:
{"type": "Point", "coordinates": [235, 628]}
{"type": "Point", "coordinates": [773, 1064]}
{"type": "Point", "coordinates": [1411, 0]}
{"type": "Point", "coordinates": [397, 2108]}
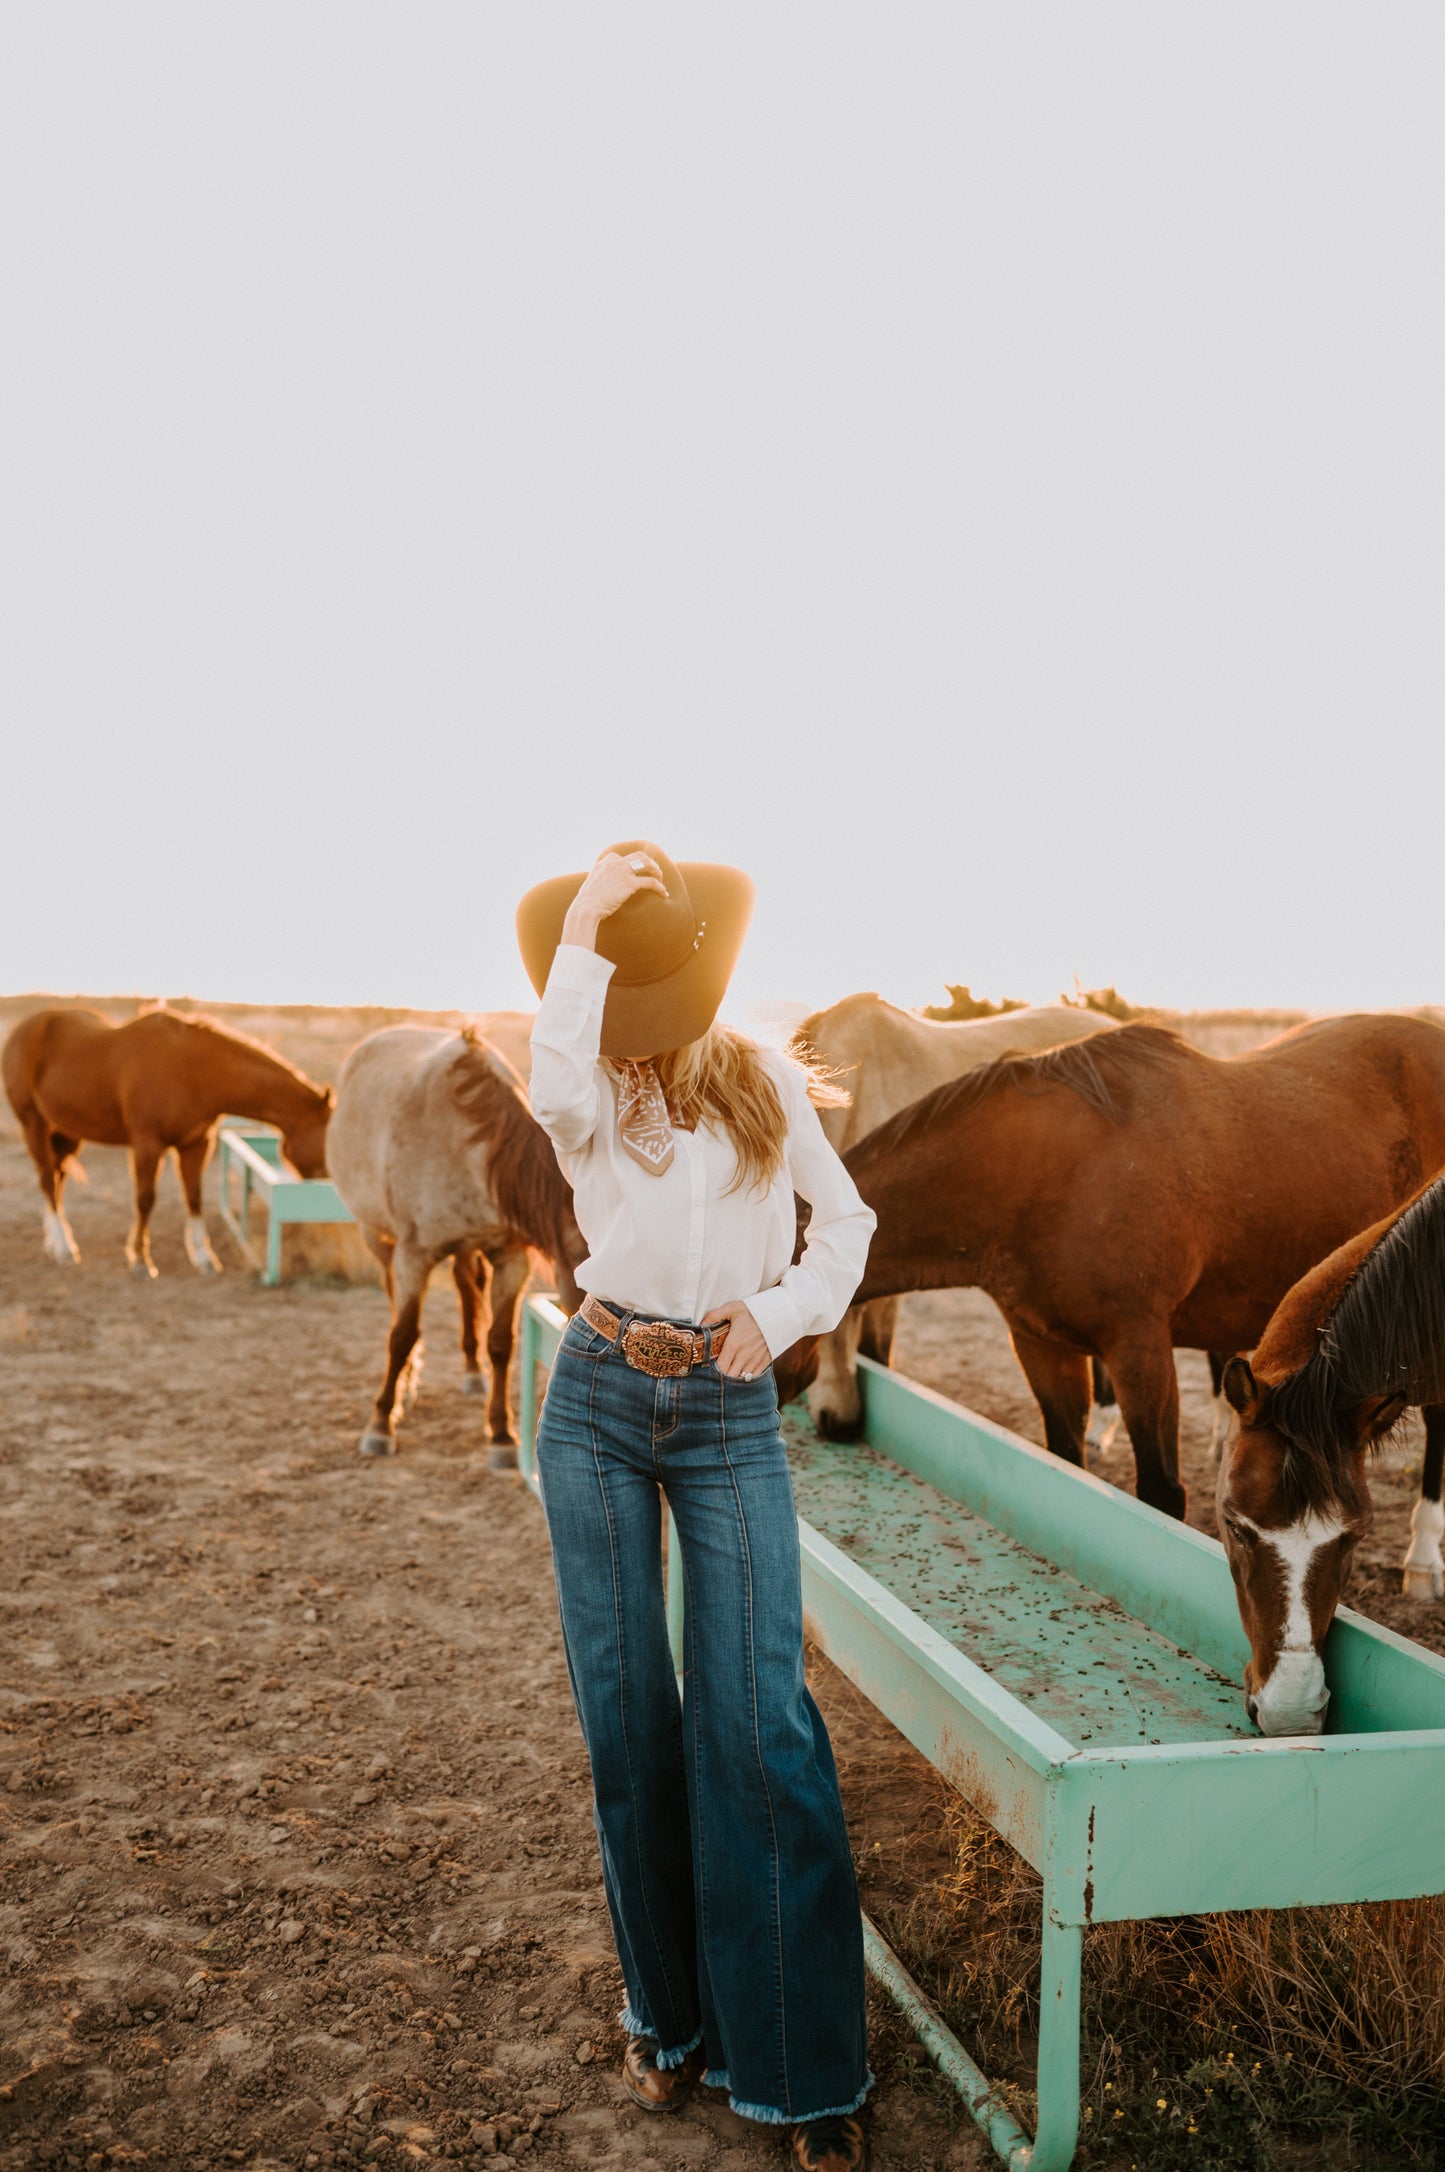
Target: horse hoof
{"type": "Point", "coordinates": [145, 1270]}
{"type": "Point", "coordinates": [377, 1444]}
{"type": "Point", "coordinates": [1424, 1585]}
{"type": "Point", "coordinates": [501, 1457]}
{"type": "Point", "coordinates": [474, 1384]}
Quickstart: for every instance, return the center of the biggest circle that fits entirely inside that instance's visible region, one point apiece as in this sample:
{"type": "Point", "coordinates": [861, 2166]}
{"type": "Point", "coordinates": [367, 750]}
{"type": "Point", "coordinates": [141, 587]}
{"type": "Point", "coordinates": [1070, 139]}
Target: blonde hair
{"type": "Point", "coordinates": [722, 1075]}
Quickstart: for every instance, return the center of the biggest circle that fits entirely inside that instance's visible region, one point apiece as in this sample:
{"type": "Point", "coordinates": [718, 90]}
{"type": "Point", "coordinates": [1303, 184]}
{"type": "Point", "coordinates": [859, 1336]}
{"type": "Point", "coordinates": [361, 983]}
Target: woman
{"type": "Point", "coordinates": [725, 1854]}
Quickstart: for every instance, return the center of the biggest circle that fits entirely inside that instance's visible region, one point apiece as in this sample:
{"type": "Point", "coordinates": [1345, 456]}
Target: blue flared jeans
{"type": "Point", "coordinates": [725, 1854]}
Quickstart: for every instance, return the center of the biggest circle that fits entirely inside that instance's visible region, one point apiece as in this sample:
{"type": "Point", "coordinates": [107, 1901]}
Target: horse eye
{"type": "Point", "coordinates": [1238, 1531]}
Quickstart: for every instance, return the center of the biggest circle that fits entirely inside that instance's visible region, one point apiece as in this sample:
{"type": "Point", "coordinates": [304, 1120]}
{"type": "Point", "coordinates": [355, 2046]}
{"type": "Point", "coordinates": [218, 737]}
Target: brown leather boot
{"type": "Point", "coordinates": [658, 2088]}
{"type": "Point", "coordinates": [838, 2143]}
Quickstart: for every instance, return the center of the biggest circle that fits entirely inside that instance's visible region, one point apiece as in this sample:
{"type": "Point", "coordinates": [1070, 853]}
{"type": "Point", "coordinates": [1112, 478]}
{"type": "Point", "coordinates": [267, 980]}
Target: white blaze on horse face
{"type": "Point", "coordinates": [59, 1243]}
{"type": "Point", "coordinates": [1424, 1565]}
{"type": "Point", "coordinates": [1294, 1699]}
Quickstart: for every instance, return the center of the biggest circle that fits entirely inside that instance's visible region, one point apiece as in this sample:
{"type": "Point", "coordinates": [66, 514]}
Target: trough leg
{"type": "Point", "coordinates": [272, 1275]}
{"type": "Point", "coordinates": [1057, 2135]}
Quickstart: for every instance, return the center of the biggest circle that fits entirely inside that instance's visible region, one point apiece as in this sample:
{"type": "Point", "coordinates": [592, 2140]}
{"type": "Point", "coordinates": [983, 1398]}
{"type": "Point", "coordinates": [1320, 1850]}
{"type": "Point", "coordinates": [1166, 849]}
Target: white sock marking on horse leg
{"type": "Point", "coordinates": [1104, 1421]}
{"type": "Point", "coordinates": [198, 1246]}
{"type": "Point", "coordinates": [1294, 1700]}
{"type": "Point", "coordinates": [1220, 1432]}
{"type": "Point", "coordinates": [59, 1243]}
{"type": "Point", "coordinates": [1424, 1565]}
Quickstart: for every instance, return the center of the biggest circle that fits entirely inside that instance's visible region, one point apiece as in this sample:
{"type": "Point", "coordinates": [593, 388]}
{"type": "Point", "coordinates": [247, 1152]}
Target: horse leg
{"type": "Point", "coordinates": [1149, 1400]}
{"type": "Point", "coordinates": [511, 1272]}
{"type": "Point", "coordinates": [880, 1324]}
{"type": "Point", "coordinates": [49, 1150]}
{"type": "Point", "coordinates": [834, 1404]}
{"type": "Point", "coordinates": [1424, 1566]}
{"type": "Point", "coordinates": [1104, 1417]}
{"type": "Point", "coordinates": [193, 1159]}
{"type": "Point", "coordinates": [1060, 1381]}
{"type": "Point", "coordinates": [1219, 1432]}
{"type": "Point", "coordinates": [472, 1289]}
{"type": "Point", "coordinates": [411, 1271]}
{"type": "Point", "coordinates": [145, 1160]}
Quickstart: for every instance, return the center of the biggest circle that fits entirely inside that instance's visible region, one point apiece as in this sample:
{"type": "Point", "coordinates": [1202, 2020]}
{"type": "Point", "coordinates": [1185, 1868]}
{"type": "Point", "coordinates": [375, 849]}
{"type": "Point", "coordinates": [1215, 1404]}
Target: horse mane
{"type": "Point", "coordinates": [1102, 1070]}
{"type": "Point", "coordinates": [531, 1194]}
{"type": "Point", "coordinates": [1383, 1334]}
{"type": "Point", "coordinates": [204, 1023]}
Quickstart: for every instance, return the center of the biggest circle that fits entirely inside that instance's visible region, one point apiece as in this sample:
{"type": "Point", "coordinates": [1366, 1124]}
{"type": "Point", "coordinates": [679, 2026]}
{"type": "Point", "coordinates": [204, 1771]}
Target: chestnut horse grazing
{"type": "Point", "coordinates": [1128, 1195]}
{"type": "Point", "coordinates": [884, 1058]}
{"type": "Point", "coordinates": [161, 1081]}
{"type": "Point", "coordinates": [1354, 1344]}
{"type": "Point", "coordinates": [435, 1151]}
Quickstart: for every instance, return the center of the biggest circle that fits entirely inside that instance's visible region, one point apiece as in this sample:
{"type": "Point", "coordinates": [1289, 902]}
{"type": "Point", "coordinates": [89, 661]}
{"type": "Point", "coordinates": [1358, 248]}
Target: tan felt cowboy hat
{"type": "Point", "coordinates": [674, 955]}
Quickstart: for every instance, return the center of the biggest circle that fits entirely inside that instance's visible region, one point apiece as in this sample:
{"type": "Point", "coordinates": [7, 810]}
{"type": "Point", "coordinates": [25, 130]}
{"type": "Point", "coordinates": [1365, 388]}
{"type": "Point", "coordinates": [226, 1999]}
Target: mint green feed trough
{"type": "Point", "coordinates": [1070, 1660]}
{"type": "Point", "coordinates": [251, 1165]}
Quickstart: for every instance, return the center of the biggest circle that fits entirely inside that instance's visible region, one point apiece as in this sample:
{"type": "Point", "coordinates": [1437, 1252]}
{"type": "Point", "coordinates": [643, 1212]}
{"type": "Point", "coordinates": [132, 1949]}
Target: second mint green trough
{"type": "Point", "coordinates": [1070, 1660]}
{"type": "Point", "coordinates": [251, 1163]}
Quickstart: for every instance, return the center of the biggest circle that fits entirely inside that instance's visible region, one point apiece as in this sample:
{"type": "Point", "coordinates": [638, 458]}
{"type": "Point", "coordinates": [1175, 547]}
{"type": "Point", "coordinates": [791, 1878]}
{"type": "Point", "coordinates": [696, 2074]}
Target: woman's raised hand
{"type": "Point", "coordinates": [611, 882]}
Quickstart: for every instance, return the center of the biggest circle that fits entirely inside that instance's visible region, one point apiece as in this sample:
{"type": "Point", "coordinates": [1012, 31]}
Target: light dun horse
{"type": "Point", "coordinates": [1355, 1343]}
{"type": "Point", "coordinates": [162, 1081]}
{"type": "Point", "coordinates": [1129, 1195]}
{"type": "Point", "coordinates": [886, 1058]}
{"type": "Point", "coordinates": [436, 1153]}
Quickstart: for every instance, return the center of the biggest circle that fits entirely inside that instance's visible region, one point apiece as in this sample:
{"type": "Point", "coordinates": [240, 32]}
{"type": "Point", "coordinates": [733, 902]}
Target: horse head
{"type": "Point", "coordinates": [304, 1139]}
{"type": "Point", "coordinates": [1291, 1522]}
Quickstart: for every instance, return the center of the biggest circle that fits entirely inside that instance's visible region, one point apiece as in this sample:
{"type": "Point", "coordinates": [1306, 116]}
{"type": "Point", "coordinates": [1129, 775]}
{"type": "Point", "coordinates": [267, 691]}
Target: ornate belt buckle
{"type": "Point", "coordinates": [652, 1346]}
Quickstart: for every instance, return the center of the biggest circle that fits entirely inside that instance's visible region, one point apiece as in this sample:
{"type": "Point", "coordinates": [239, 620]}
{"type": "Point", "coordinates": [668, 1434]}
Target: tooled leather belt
{"type": "Point", "coordinates": [655, 1346]}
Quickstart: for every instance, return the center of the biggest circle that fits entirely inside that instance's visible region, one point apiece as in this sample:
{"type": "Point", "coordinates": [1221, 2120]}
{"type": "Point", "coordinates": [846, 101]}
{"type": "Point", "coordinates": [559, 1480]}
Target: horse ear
{"type": "Point", "coordinates": [1373, 1418]}
{"type": "Point", "coordinates": [1241, 1389]}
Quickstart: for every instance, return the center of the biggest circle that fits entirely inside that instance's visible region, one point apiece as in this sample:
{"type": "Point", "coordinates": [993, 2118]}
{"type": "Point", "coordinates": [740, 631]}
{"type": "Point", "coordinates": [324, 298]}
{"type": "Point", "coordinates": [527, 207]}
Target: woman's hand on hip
{"type": "Point", "coordinates": [744, 1355]}
{"type": "Point", "coordinates": [610, 883]}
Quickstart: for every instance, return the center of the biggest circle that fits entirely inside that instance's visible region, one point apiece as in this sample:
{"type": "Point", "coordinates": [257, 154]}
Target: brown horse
{"type": "Point", "coordinates": [1129, 1195]}
{"type": "Point", "coordinates": [162, 1081]}
{"type": "Point", "coordinates": [1354, 1344]}
{"type": "Point", "coordinates": [886, 1058]}
{"type": "Point", "coordinates": [435, 1151]}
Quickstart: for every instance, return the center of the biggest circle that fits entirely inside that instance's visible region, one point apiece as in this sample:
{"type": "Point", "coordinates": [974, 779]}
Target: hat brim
{"type": "Point", "coordinates": [639, 1023]}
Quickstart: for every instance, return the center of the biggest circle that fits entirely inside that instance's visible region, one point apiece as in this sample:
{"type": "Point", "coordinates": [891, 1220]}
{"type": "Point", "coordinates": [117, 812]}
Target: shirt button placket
{"type": "Point", "coordinates": [697, 1219]}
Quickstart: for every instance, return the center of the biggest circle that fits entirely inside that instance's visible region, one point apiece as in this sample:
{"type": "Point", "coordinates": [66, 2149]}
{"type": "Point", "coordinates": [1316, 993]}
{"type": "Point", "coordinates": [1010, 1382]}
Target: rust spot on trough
{"type": "Point", "coordinates": [1089, 1867]}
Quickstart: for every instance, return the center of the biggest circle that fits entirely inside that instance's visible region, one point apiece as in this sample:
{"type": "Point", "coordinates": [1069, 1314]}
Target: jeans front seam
{"type": "Point", "coordinates": [617, 1615]}
{"type": "Point", "coordinates": [757, 1742]}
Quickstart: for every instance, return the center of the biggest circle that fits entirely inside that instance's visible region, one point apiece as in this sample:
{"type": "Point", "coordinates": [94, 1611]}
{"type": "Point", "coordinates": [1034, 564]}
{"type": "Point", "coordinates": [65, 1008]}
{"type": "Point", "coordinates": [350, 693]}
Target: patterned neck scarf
{"type": "Point", "coordinates": [642, 1117]}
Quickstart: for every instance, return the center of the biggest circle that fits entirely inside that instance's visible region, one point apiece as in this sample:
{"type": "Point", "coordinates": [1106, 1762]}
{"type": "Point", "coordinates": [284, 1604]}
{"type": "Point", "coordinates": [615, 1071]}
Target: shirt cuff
{"type": "Point", "coordinates": [777, 1319]}
{"type": "Point", "coordinates": [586, 971]}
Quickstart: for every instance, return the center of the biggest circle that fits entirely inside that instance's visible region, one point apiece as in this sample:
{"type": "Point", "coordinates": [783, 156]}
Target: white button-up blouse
{"type": "Point", "coordinates": [675, 1245]}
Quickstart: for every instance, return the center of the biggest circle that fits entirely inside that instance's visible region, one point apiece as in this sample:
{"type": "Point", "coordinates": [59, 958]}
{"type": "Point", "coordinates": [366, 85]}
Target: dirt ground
{"type": "Point", "coordinates": [298, 1866]}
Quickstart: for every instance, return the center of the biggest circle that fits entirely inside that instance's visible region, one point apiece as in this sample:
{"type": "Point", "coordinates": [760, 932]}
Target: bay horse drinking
{"type": "Point", "coordinates": [1355, 1343]}
{"type": "Point", "coordinates": [1129, 1195]}
{"type": "Point", "coordinates": [436, 1153]}
{"type": "Point", "coordinates": [161, 1081]}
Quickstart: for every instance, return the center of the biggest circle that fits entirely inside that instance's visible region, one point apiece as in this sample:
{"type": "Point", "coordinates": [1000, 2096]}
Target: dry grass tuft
{"type": "Point", "coordinates": [1312, 2009]}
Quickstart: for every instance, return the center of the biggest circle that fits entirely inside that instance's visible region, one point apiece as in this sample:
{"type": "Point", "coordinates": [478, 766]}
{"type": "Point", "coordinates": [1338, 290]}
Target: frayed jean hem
{"type": "Point", "coordinates": [766, 2116]}
{"type": "Point", "coordinates": [634, 2024]}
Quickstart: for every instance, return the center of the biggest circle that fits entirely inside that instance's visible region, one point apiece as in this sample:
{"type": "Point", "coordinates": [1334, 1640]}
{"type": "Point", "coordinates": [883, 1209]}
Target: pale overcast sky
{"type": "Point", "coordinates": [980, 468]}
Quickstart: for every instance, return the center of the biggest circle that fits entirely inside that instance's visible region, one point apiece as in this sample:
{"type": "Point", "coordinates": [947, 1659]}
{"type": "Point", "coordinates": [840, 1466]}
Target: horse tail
{"type": "Point", "coordinates": [528, 1189]}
